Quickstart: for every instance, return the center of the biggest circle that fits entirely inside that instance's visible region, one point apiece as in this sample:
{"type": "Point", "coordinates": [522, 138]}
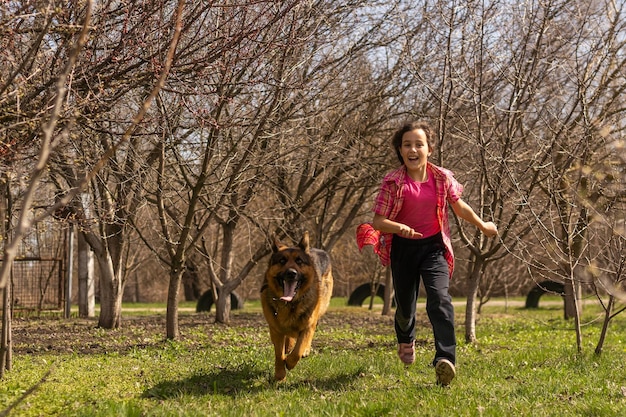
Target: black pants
{"type": "Point", "coordinates": [412, 259]}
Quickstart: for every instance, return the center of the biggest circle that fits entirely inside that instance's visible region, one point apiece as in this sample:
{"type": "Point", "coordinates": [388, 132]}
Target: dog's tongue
{"type": "Point", "coordinates": [289, 290]}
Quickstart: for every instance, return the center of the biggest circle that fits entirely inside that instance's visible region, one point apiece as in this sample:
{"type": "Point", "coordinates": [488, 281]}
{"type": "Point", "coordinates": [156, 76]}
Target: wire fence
{"type": "Point", "coordinates": [39, 271]}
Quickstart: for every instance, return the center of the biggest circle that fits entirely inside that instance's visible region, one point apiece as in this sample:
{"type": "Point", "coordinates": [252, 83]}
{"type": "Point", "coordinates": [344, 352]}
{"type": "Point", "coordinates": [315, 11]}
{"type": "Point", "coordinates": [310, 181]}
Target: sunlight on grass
{"type": "Point", "coordinates": [524, 363]}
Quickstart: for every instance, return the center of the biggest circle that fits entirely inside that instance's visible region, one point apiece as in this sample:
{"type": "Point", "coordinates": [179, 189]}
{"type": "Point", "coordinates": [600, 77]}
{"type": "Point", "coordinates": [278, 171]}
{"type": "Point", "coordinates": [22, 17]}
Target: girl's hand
{"type": "Point", "coordinates": [406, 231]}
{"type": "Point", "coordinates": [489, 229]}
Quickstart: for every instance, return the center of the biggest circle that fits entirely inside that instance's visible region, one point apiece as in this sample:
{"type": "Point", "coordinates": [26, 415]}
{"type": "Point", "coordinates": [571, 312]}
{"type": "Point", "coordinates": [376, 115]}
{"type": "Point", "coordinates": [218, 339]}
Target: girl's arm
{"type": "Point", "coordinates": [464, 211]}
{"type": "Point", "coordinates": [389, 226]}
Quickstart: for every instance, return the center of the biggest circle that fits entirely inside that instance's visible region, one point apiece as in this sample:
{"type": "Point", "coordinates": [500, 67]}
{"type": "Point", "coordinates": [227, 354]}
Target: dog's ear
{"type": "Point", "coordinates": [277, 245]}
{"type": "Point", "coordinates": [304, 242]}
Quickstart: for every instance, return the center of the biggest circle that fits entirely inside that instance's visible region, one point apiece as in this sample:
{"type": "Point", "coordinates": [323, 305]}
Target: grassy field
{"type": "Point", "coordinates": [524, 364]}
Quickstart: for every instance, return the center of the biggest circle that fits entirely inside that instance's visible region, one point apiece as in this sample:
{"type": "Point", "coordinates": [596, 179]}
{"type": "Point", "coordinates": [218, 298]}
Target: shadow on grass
{"type": "Point", "coordinates": [217, 381]}
{"type": "Point", "coordinates": [244, 379]}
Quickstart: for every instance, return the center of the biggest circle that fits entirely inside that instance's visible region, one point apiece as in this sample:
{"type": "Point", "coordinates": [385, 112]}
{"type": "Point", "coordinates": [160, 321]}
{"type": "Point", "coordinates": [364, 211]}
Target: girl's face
{"type": "Point", "coordinates": [414, 149]}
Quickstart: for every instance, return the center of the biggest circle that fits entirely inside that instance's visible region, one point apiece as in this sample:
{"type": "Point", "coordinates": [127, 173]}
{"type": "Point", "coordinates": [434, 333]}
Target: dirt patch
{"type": "Point", "coordinates": [50, 335]}
{"type": "Point", "coordinates": [82, 336]}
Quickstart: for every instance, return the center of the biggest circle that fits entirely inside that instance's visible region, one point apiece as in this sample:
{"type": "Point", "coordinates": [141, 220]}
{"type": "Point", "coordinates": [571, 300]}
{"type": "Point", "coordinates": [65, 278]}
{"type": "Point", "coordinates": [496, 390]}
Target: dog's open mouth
{"type": "Point", "coordinates": [290, 287]}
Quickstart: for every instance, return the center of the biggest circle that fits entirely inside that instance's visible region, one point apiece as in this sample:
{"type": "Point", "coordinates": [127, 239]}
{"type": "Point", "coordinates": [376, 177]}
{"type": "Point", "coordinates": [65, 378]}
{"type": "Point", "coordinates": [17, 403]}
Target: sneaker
{"type": "Point", "coordinates": [445, 371]}
{"type": "Point", "coordinates": [406, 352]}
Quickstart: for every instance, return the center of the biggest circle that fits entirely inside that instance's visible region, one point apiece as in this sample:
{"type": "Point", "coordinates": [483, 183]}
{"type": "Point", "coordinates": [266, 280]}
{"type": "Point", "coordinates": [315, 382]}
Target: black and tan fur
{"type": "Point", "coordinates": [295, 293]}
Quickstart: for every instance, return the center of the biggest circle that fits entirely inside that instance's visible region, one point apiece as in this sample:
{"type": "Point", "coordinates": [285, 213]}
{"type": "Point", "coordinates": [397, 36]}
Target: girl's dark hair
{"type": "Point", "coordinates": [396, 140]}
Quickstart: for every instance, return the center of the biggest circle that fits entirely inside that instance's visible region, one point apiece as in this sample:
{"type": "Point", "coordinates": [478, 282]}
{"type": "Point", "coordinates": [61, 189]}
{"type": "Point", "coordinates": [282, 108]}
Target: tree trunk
{"type": "Point", "coordinates": [572, 304]}
{"type": "Point", "coordinates": [111, 291]}
{"type": "Point", "coordinates": [222, 306]}
{"type": "Point", "coordinates": [472, 295]}
{"type": "Point", "coordinates": [579, 333]}
{"type": "Point", "coordinates": [387, 304]}
{"type": "Point", "coordinates": [573, 295]}
{"type": "Point", "coordinates": [171, 324]}
{"type": "Point", "coordinates": [86, 286]}
{"type": "Point", "coordinates": [605, 325]}
{"type": "Point", "coordinates": [571, 300]}
{"type": "Point", "coordinates": [573, 290]}
{"type": "Point", "coordinates": [6, 346]}
{"type": "Point", "coordinates": [373, 291]}
{"type": "Point", "coordinates": [69, 271]}
{"type": "Point", "coordinates": [573, 243]}
{"type": "Point", "coordinates": [191, 283]}
{"type": "Point", "coordinates": [222, 303]}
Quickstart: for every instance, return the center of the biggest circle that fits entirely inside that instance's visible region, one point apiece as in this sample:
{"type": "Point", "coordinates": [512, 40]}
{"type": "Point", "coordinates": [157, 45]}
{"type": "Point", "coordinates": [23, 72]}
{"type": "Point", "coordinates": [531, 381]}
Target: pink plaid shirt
{"type": "Point", "coordinates": [389, 202]}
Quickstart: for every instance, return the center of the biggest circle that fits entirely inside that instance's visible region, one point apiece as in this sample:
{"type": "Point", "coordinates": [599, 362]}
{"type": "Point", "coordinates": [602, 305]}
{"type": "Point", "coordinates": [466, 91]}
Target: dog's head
{"type": "Point", "coordinates": [291, 269]}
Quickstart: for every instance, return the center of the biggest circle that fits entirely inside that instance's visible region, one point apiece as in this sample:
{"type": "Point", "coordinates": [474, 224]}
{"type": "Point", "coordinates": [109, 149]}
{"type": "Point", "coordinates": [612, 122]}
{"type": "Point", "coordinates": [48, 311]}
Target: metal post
{"type": "Point", "coordinates": [70, 270]}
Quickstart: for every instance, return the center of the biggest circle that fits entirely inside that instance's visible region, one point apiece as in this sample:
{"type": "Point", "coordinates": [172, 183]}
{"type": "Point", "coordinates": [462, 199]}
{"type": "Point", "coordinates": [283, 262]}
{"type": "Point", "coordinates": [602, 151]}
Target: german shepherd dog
{"type": "Point", "coordinates": [295, 293]}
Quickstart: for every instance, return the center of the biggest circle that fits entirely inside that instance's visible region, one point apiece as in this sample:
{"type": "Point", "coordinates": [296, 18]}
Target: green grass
{"type": "Point", "coordinates": [524, 363]}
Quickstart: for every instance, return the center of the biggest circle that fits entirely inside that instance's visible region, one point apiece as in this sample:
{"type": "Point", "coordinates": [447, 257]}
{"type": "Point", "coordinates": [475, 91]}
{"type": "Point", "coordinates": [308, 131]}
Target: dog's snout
{"type": "Point", "coordinates": [291, 273]}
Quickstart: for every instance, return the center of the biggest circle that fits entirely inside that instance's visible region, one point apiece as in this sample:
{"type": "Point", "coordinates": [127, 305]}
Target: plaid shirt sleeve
{"type": "Point", "coordinates": [383, 203]}
{"type": "Point", "coordinates": [367, 235]}
{"type": "Point", "coordinates": [455, 189]}
{"type": "Point", "coordinates": [449, 190]}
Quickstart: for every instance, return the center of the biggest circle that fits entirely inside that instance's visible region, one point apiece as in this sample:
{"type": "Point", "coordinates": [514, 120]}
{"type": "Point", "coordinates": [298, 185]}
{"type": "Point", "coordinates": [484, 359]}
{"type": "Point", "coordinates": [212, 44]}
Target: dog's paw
{"type": "Point", "coordinates": [292, 361]}
{"type": "Point", "coordinates": [280, 373]}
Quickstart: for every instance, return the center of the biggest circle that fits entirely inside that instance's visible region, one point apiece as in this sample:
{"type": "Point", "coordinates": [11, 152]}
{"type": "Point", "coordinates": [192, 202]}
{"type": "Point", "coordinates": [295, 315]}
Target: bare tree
{"type": "Point", "coordinates": [267, 143]}
{"type": "Point", "coordinates": [6, 345]}
{"type": "Point", "coordinates": [579, 125]}
{"type": "Point", "coordinates": [55, 32]}
{"type": "Point", "coordinates": [604, 195]}
{"type": "Point", "coordinates": [50, 135]}
{"type": "Point", "coordinates": [608, 274]}
{"type": "Point", "coordinates": [115, 190]}
{"type": "Point", "coordinates": [210, 144]}
{"type": "Point", "coordinates": [49, 139]}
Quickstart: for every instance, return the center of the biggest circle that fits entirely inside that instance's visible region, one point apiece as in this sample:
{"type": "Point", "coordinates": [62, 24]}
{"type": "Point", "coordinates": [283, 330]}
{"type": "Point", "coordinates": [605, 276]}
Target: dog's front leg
{"type": "Point", "coordinates": [290, 342]}
{"type": "Point", "coordinates": [278, 339]}
{"type": "Point", "coordinates": [302, 347]}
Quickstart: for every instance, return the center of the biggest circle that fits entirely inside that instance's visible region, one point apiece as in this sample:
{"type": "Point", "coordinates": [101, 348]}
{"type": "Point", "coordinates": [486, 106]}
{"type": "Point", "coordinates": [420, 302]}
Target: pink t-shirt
{"type": "Point", "coordinates": [419, 210]}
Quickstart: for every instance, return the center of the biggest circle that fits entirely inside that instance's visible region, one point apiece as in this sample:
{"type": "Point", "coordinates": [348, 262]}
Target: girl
{"type": "Point", "coordinates": [410, 211]}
